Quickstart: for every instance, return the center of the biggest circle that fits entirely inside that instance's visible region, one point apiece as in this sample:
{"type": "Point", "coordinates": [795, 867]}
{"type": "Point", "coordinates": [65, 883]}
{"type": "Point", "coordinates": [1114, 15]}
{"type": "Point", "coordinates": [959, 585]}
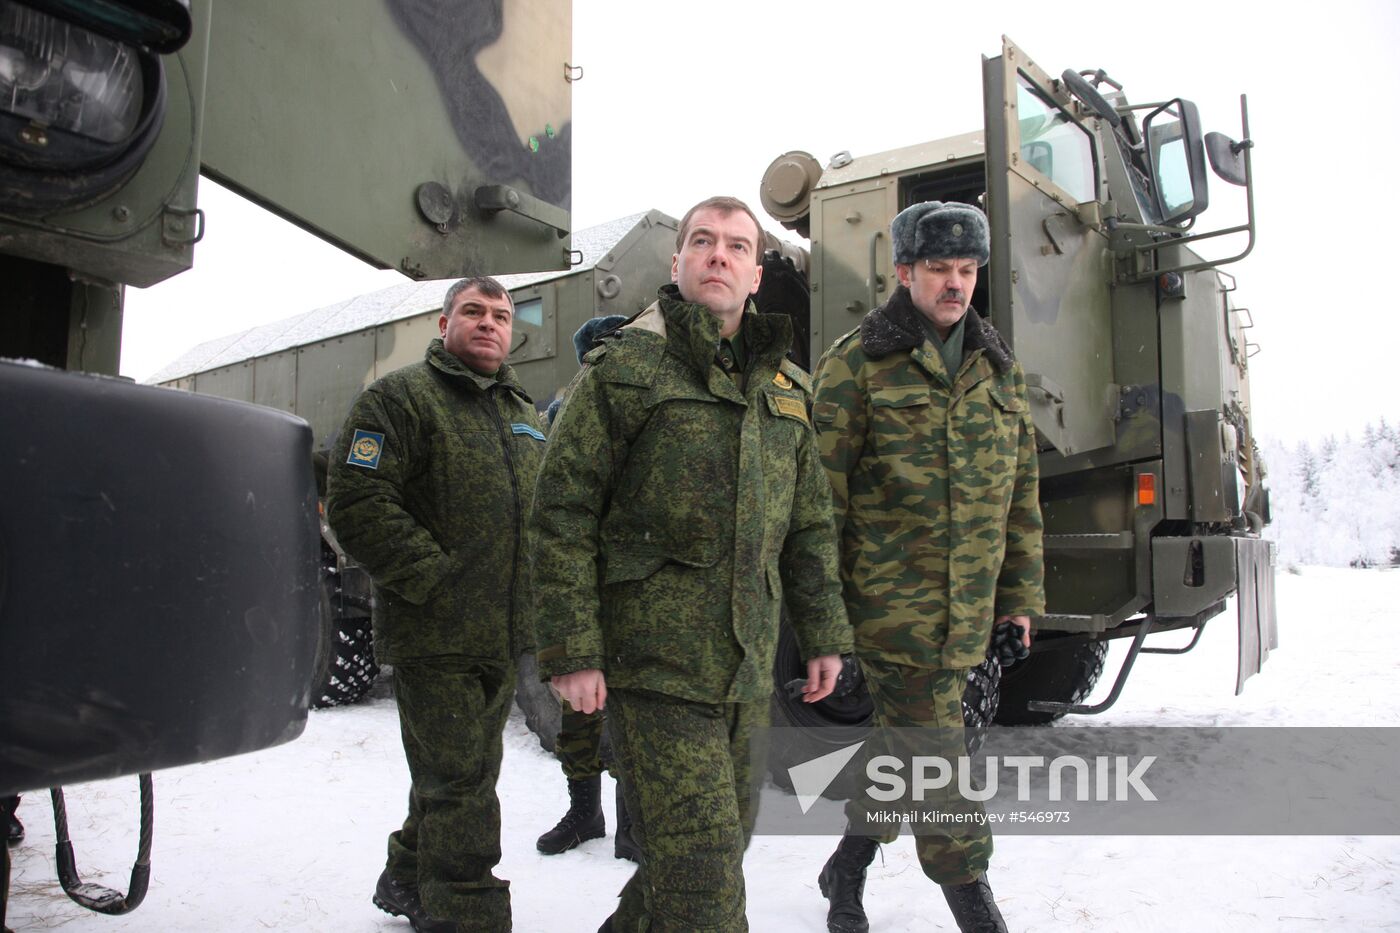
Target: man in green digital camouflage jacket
{"type": "Point", "coordinates": [680, 501]}
{"type": "Point", "coordinates": [429, 487]}
{"type": "Point", "coordinates": [925, 433]}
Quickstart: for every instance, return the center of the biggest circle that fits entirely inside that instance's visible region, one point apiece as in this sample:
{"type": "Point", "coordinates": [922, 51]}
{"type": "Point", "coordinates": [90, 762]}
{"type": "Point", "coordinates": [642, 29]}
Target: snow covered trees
{"type": "Point", "coordinates": [1338, 504]}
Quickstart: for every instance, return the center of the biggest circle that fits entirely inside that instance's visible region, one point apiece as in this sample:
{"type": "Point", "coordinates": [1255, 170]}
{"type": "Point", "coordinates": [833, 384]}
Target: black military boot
{"type": "Point", "coordinates": [402, 900]}
{"type": "Point", "coordinates": [973, 907]}
{"type": "Point", "coordinates": [584, 820]}
{"type": "Point", "coordinates": [842, 882]}
{"type": "Point", "coordinates": [624, 846]}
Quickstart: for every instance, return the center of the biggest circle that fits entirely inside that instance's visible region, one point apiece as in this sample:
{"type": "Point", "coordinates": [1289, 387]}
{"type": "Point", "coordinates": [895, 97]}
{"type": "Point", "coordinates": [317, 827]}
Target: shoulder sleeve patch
{"type": "Point", "coordinates": [365, 449]}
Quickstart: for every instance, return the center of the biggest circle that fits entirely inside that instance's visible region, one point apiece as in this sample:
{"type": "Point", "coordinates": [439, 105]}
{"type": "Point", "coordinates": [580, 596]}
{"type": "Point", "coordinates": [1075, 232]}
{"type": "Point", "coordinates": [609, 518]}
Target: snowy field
{"type": "Point", "coordinates": [292, 838]}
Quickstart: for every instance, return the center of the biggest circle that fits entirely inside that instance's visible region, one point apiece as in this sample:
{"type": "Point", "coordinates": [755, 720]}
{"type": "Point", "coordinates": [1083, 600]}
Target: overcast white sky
{"type": "Point", "coordinates": [682, 101]}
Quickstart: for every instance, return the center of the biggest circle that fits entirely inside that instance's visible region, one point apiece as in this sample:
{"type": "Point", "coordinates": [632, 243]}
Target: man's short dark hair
{"type": "Point", "coordinates": [482, 283]}
{"type": "Point", "coordinates": [726, 206]}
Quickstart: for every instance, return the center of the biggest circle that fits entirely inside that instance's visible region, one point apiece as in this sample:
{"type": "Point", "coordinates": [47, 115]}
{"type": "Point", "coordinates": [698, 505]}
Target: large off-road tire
{"type": "Point", "coordinates": [544, 713]}
{"type": "Point", "coordinates": [541, 707]}
{"type": "Point", "coordinates": [345, 668]}
{"type": "Point", "coordinates": [1064, 674]}
{"type": "Point", "coordinates": [818, 728]}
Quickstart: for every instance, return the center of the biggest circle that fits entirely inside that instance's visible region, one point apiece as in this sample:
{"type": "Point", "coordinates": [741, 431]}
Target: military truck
{"type": "Point", "coordinates": [159, 550]}
{"type": "Point", "coordinates": [1136, 356]}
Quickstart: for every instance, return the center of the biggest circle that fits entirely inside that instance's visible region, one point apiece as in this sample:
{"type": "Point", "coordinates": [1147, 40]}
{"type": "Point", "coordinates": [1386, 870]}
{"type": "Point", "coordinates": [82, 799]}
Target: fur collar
{"type": "Point", "coordinates": [895, 326]}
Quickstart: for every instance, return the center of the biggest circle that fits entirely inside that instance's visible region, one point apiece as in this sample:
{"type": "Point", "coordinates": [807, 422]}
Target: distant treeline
{"type": "Point", "coordinates": [1337, 501]}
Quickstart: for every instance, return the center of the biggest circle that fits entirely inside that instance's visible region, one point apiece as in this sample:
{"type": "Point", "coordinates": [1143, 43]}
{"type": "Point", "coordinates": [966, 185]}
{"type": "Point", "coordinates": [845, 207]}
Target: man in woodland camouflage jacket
{"type": "Point", "coordinates": [926, 436]}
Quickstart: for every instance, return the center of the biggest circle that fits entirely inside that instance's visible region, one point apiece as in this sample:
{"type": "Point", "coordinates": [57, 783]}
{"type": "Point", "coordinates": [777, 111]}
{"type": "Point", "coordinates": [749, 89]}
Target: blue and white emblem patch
{"type": "Point", "coordinates": [365, 448]}
{"type": "Point", "coordinates": [517, 428]}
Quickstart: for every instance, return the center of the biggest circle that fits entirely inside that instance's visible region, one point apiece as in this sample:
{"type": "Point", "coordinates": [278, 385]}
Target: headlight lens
{"type": "Point", "coordinates": [67, 78]}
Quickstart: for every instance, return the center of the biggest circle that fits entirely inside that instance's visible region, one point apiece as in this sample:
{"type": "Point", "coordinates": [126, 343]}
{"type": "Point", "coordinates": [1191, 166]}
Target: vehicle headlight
{"type": "Point", "coordinates": [66, 78]}
{"type": "Point", "coordinates": [79, 109]}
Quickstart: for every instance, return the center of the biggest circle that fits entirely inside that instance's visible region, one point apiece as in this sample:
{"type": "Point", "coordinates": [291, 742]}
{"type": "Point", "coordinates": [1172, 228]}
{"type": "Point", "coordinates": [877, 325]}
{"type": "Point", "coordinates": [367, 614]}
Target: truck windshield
{"type": "Point", "coordinates": [1053, 144]}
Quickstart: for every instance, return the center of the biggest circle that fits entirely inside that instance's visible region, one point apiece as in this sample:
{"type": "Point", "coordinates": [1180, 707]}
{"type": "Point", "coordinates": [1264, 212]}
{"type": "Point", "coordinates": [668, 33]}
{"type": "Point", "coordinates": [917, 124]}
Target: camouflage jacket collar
{"type": "Point", "coordinates": [693, 332]}
{"type": "Point", "coordinates": [895, 326]}
{"type": "Point", "coordinates": [447, 364]}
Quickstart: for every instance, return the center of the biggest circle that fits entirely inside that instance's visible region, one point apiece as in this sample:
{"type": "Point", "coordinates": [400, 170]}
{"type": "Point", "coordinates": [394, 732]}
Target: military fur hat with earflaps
{"type": "Point", "coordinates": [939, 230]}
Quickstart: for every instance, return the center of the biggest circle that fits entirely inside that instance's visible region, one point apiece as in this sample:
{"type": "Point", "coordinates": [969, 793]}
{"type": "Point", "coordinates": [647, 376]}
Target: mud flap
{"type": "Point", "coordinates": [1258, 618]}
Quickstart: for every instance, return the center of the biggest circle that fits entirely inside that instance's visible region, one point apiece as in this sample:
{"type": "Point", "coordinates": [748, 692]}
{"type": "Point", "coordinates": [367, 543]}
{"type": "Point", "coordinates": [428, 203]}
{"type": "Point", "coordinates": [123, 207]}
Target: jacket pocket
{"type": "Point", "coordinates": [626, 564]}
{"type": "Point", "coordinates": [1009, 414]}
{"type": "Point", "coordinates": [904, 425]}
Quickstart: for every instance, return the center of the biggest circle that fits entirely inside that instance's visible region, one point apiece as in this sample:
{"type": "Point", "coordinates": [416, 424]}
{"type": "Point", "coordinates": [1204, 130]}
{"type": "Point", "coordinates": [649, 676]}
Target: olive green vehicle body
{"type": "Point", "coordinates": [1135, 382]}
{"type": "Point", "coordinates": [429, 136]}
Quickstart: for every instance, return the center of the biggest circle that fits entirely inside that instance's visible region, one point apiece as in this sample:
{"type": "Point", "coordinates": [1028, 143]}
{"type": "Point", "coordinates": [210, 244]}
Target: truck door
{"type": "Point", "coordinates": [1050, 268]}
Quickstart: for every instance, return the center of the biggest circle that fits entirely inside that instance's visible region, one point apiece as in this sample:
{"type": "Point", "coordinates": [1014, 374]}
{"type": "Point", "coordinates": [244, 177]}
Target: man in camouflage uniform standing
{"type": "Point", "coordinates": [925, 433]}
{"type": "Point", "coordinates": [680, 501]}
{"type": "Point", "coordinates": [428, 489]}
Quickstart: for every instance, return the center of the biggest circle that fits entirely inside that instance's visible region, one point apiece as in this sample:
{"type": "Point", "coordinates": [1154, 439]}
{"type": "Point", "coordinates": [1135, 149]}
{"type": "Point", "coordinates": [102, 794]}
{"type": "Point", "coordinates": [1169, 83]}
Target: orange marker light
{"type": "Point", "coordinates": [1147, 489]}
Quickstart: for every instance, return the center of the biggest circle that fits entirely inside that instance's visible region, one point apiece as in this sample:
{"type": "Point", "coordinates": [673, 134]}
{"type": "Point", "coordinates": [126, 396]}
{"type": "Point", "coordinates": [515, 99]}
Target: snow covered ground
{"type": "Point", "coordinates": [292, 838]}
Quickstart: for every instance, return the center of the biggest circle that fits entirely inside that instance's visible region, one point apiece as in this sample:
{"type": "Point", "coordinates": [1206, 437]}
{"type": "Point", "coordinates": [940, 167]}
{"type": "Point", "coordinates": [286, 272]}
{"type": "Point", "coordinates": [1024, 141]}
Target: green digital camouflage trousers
{"type": "Point", "coordinates": [579, 743]}
{"type": "Point", "coordinates": [693, 798]}
{"type": "Point", "coordinates": [930, 701]}
{"type": "Point", "coordinates": [451, 713]}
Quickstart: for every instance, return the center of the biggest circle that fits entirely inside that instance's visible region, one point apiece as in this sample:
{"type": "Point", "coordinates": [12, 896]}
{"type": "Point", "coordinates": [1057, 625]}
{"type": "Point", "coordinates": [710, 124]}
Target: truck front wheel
{"type": "Point", "coordinates": [1064, 674]}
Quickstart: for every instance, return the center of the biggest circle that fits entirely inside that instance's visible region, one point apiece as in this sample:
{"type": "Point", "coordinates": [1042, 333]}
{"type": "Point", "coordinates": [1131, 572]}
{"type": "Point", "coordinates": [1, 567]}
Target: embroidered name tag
{"type": "Point", "coordinates": [517, 428]}
{"type": "Point", "coordinates": [791, 407]}
{"type": "Point", "coordinates": [365, 448]}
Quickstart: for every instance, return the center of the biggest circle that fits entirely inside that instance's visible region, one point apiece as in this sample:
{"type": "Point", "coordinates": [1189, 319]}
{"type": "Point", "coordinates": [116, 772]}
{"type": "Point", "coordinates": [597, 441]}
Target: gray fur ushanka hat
{"type": "Point", "coordinates": [938, 230]}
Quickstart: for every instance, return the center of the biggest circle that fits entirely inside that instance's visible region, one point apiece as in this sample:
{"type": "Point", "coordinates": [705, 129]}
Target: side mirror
{"type": "Point", "coordinates": [1227, 158]}
{"type": "Point", "coordinates": [1176, 160]}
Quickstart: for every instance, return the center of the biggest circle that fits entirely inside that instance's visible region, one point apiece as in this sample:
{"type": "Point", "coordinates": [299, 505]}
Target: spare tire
{"type": "Point", "coordinates": [543, 712]}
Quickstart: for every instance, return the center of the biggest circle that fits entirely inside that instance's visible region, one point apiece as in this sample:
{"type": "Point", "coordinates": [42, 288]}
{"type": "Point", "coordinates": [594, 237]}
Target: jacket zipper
{"type": "Point", "coordinates": [519, 530]}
